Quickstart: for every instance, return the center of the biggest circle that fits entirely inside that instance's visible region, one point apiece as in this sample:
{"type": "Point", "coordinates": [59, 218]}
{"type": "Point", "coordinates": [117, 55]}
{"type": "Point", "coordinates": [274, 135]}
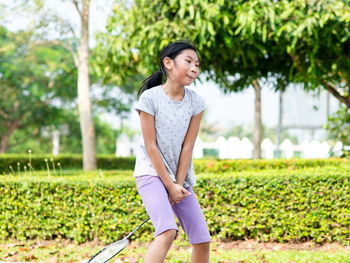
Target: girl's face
{"type": "Point", "coordinates": [184, 69]}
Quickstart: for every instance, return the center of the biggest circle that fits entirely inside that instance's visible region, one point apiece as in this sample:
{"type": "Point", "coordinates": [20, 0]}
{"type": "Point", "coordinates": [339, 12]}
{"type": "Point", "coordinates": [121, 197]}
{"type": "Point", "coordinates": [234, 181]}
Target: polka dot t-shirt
{"type": "Point", "coordinates": [172, 119]}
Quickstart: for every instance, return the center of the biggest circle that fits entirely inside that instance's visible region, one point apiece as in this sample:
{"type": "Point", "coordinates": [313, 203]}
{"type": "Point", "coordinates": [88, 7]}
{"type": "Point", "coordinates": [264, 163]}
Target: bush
{"type": "Point", "coordinates": [110, 161]}
{"type": "Point", "coordinates": [67, 161]}
{"type": "Point", "coordinates": [283, 206]}
{"type": "Point", "coordinates": [220, 166]}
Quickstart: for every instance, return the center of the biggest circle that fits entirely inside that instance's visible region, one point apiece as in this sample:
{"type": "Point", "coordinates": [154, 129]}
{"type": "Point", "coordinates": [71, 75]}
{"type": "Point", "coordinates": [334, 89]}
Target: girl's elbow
{"type": "Point", "coordinates": [187, 148]}
{"type": "Point", "coordinates": [150, 147]}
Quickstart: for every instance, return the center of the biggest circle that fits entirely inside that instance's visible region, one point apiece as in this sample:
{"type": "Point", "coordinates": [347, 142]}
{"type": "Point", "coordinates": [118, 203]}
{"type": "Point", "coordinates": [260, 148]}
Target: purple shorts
{"type": "Point", "coordinates": [155, 199]}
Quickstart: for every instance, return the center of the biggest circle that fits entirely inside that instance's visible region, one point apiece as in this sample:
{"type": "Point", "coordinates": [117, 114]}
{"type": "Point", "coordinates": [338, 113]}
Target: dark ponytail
{"type": "Point", "coordinates": [171, 51]}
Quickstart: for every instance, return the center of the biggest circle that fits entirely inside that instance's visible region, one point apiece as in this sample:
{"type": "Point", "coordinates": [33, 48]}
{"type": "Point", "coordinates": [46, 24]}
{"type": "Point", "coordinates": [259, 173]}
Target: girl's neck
{"type": "Point", "coordinates": [174, 91]}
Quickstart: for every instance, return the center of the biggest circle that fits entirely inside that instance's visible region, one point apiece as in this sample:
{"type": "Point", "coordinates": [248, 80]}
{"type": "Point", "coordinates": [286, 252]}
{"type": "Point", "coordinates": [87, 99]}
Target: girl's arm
{"type": "Point", "coordinates": [187, 148]}
{"type": "Point", "coordinates": [176, 192]}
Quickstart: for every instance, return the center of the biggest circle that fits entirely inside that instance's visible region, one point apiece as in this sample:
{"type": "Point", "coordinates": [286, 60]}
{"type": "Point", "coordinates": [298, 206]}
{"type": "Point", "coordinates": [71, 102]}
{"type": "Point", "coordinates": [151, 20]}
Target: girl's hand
{"type": "Point", "coordinates": [177, 193]}
{"type": "Point", "coordinates": [171, 201]}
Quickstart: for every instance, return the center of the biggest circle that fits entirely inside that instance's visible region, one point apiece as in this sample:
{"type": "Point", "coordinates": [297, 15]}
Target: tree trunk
{"type": "Point", "coordinates": [342, 98]}
{"type": "Point", "coordinates": [4, 143]}
{"type": "Point", "coordinates": [279, 126]}
{"type": "Point", "coordinates": [10, 128]}
{"type": "Point", "coordinates": [84, 101]}
{"type": "Point", "coordinates": [258, 122]}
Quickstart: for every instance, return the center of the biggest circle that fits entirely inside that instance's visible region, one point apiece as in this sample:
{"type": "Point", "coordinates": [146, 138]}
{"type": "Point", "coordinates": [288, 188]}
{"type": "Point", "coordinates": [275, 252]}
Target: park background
{"type": "Point", "coordinates": [69, 76]}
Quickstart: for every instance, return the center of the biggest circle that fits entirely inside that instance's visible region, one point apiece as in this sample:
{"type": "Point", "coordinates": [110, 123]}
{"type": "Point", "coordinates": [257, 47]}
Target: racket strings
{"type": "Point", "coordinates": [110, 251]}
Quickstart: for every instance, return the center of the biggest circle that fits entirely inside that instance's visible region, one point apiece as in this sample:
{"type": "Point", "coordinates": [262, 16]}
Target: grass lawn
{"type": "Point", "coordinates": [239, 251]}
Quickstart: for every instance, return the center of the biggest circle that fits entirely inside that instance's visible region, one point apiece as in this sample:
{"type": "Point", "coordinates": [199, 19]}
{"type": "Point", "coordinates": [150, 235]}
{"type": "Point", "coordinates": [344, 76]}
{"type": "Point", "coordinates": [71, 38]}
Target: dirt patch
{"type": "Point", "coordinates": [239, 245]}
{"type": "Point", "coordinates": [255, 245]}
{"type": "Point", "coordinates": [67, 251]}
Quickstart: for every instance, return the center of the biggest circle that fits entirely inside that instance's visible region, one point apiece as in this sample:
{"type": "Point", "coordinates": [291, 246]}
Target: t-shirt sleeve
{"type": "Point", "coordinates": [199, 104]}
{"type": "Point", "coordinates": [145, 103]}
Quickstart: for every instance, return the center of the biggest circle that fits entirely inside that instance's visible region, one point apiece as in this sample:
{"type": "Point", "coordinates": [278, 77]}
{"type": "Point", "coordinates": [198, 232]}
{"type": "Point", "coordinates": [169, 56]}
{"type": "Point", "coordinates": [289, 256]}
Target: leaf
{"type": "Point", "coordinates": [211, 28]}
{"type": "Point", "coordinates": [24, 249]}
{"type": "Point", "coordinates": [191, 11]}
{"type": "Point", "coordinates": [226, 20]}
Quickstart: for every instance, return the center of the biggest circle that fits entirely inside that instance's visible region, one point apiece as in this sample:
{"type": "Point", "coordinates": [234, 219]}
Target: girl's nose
{"type": "Point", "coordinates": [194, 69]}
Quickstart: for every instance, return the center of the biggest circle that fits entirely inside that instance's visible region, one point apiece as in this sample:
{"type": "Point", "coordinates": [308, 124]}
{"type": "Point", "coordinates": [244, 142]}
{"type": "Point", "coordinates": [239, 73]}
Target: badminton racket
{"type": "Point", "coordinates": [113, 249]}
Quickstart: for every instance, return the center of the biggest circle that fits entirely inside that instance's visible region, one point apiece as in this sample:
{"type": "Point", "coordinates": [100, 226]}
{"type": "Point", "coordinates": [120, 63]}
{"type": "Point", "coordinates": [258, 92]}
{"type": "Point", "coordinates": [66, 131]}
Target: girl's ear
{"type": "Point", "coordinates": [168, 63]}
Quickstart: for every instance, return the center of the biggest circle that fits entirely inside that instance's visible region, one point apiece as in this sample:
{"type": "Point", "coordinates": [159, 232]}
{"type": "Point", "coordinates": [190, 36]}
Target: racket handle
{"type": "Point", "coordinates": [136, 228]}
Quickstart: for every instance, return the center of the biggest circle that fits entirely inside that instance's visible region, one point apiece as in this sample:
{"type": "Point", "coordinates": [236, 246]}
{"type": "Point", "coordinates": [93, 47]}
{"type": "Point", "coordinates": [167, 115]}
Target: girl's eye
{"type": "Point", "coordinates": [188, 61]}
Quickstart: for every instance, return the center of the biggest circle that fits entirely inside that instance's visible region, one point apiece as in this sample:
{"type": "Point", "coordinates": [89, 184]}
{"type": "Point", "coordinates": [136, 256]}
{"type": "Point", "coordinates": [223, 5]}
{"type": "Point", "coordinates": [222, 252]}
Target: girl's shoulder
{"type": "Point", "coordinates": [193, 94]}
{"type": "Point", "coordinates": [198, 103]}
{"type": "Point", "coordinates": [150, 92]}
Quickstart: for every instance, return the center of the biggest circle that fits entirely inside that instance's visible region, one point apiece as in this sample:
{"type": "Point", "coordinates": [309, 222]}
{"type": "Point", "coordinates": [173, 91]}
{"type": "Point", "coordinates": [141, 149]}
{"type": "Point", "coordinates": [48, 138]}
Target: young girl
{"type": "Point", "coordinates": [170, 115]}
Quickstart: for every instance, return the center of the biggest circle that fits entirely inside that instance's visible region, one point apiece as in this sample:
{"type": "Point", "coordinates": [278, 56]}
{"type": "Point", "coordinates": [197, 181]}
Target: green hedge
{"type": "Point", "coordinates": [67, 161]}
{"type": "Point", "coordinates": [282, 206]}
{"type": "Point", "coordinates": [74, 161]}
{"type": "Point", "coordinates": [219, 166]}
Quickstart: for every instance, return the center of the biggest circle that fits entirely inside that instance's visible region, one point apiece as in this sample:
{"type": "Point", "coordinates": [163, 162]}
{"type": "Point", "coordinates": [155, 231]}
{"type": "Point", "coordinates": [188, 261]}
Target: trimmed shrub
{"type": "Point", "coordinates": [283, 207]}
{"type": "Point", "coordinates": [67, 161]}
{"type": "Point", "coordinates": [220, 166]}
{"type": "Point", "coordinates": [110, 161]}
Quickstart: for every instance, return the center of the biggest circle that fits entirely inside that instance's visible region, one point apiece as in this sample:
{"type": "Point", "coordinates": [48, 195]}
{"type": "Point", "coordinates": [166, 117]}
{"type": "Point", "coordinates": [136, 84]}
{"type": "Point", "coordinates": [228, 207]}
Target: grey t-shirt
{"type": "Point", "coordinates": [172, 119]}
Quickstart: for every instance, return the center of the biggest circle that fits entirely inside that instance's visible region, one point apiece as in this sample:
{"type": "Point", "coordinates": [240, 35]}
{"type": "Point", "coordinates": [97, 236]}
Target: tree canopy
{"type": "Point", "coordinates": [31, 78]}
{"type": "Point", "coordinates": [38, 88]}
{"type": "Point", "coordinates": [314, 34]}
{"type": "Point", "coordinates": [238, 41]}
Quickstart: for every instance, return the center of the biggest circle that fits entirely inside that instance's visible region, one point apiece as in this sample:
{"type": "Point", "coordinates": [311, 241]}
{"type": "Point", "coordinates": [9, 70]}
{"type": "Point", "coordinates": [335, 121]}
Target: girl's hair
{"type": "Point", "coordinates": [171, 51]}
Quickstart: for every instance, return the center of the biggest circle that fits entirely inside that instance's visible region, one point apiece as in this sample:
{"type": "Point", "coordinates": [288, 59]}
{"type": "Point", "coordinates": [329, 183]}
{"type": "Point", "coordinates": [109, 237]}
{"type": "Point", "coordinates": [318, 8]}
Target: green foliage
{"type": "Point", "coordinates": [238, 41]}
{"type": "Point", "coordinates": [109, 161]}
{"type": "Point", "coordinates": [279, 205]}
{"type": "Point", "coordinates": [338, 126]}
{"type": "Point", "coordinates": [66, 161]}
{"type": "Point", "coordinates": [311, 33]}
{"type": "Point", "coordinates": [278, 208]}
{"type": "Point", "coordinates": [32, 76]}
{"type": "Point", "coordinates": [38, 88]}
{"type": "Point", "coordinates": [221, 166]}
{"type": "Point", "coordinates": [135, 37]}
{"type": "Point", "coordinates": [20, 142]}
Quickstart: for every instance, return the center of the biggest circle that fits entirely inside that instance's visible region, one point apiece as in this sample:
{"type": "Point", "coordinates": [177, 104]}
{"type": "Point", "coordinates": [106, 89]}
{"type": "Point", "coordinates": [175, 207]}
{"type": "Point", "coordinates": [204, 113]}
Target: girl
{"type": "Point", "coordinates": [170, 115]}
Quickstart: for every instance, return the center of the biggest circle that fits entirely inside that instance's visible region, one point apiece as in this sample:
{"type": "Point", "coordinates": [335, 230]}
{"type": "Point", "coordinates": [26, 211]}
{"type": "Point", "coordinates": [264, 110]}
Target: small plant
{"type": "Point", "coordinates": [47, 166]}
{"type": "Point", "coordinates": [30, 161]}
{"type": "Point", "coordinates": [53, 166]}
{"type": "Point", "coordinates": [18, 167]}
{"type": "Point", "coordinates": [31, 169]}
{"type": "Point", "coordinates": [59, 165]}
{"type": "Point", "coordinates": [13, 172]}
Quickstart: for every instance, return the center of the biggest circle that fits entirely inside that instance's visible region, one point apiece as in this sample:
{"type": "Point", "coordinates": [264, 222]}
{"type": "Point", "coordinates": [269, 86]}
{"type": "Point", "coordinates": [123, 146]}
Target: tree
{"type": "Point", "coordinates": [30, 80]}
{"type": "Point", "coordinates": [84, 102]}
{"type": "Point", "coordinates": [241, 42]}
{"type": "Point", "coordinates": [105, 135]}
{"type": "Point", "coordinates": [52, 28]}
{"type": "Point", "coordinates": [228, 57]}
{"type": "Point", "coordinates": [313, 34]}
{"type": "Point", "coordinates": [338, 126]}
{"type": "Point", "coordinates": [20, 142]}
{"type": "Point", "coordinates": [77, 45]}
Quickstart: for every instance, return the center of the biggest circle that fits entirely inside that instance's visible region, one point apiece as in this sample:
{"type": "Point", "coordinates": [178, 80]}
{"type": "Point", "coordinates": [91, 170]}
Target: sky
{"type": "Point", "coordinates": [225, 110]}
